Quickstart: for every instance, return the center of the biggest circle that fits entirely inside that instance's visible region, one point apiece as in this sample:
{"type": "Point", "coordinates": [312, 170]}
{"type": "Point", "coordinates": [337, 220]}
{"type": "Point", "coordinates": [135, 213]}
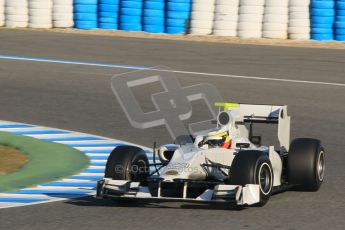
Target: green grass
{"type": "Point", "coordinates": [47, 162]}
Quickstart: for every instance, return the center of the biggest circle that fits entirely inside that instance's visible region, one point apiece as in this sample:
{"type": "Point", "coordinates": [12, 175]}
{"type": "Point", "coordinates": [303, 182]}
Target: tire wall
{"type": "Point", "coordinates": [85, 14]}
{"type": "Point", "coordinates": [299, 20]}
{"type": "Point", "coordinates": [154, 16]}
{"type": "Point", "coordinates": [108, 14]}
{"type": "Point", "coordinates": [2, 12]}
{"type": "Point", "coordinates": [40, 13]}
{"type": "Point", "coordinates": [202, 17]}
{"type": "Point", "coordinates": [226, 17]}
{"type": "Point", "coordinates": [16, 13]}
{"type": "Point", "coordinates": [250, 21]}
{"type": "Point", "coordinates": [63, 13]}
{"type": "Point", "coordinates": [276, 19]}
{"type": "Point", "coordinates": [131, 12]}
{"type": "Point", "coordinates": [322, 20]}
{"type": "Point", "coordinates": [339, 25]}
{"type": "Point", "coordinates": [178, 16]}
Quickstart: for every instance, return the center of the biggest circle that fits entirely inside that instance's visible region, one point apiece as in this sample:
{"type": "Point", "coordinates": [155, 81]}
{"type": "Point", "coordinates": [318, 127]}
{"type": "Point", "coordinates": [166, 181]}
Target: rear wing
{"type": "Point", "coordinates": [269, 114]}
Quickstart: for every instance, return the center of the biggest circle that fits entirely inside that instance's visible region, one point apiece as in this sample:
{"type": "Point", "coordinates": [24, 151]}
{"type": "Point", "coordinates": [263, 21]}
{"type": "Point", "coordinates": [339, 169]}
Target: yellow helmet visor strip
{"type": "Point", "coordinates": [227, 142]}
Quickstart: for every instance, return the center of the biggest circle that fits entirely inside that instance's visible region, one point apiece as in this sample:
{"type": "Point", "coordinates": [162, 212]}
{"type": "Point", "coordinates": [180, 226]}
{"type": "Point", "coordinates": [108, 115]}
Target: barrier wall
{"type": "Point", "coordinates": [108, 14]}
{"type": "Point", "coordinates": [154, 16]}
{"type": "Point", "coordinates": [2, 12]}
{"type": "Point", "coordinates": [282, 19]}
{"type": "Point", "coordinates": [63, 16]}
{"type": "Point", "coordinates": [299, 19]}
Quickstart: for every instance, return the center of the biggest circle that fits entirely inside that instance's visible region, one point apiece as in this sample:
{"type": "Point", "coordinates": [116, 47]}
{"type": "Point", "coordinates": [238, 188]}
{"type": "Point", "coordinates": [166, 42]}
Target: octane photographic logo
{"type": "Point", "coordinates": [173, 105]}
{"type": "Point", "coordinates": [133, 169]}
{"type": "Point", "coordinates": [177, 168]}
{"type": "Point", "coordinates": [180, 168]}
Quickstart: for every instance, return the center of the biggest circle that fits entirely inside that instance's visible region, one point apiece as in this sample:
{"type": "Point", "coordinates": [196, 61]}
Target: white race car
{"type": "Point", "coordinates": [228, 164]}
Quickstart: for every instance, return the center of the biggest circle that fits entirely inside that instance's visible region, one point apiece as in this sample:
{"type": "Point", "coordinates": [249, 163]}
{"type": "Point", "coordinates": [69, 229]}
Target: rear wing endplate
{"type": "Point", "coordinates": [269, 114]}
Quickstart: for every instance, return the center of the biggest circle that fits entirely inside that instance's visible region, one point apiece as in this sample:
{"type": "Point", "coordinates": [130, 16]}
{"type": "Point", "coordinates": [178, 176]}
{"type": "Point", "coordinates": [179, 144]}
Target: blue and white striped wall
{"type": "Point", "coordinates": [95, 147]}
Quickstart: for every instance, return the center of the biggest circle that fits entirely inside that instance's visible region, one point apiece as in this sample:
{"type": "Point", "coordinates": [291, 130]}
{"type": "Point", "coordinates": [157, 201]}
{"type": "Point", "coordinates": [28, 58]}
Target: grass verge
{"type": "Point", "coordinates": [11, 160]}
{"type": "Point", "coordinates": [47, 162]}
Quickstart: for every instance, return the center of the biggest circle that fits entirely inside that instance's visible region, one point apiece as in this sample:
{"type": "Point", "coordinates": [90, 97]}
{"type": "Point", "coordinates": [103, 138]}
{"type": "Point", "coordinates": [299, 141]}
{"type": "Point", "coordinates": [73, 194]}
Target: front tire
{"type": "Point", "coordinates": [127, 163]}
{"type": "Point", "coordinates": [306, 164]}
{"type": "Point", "coordinates": [253, 167]}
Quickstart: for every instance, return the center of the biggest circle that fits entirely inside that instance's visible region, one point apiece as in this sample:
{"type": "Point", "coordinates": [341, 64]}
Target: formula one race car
{"type": "Point", "coordinates": [228, 164]}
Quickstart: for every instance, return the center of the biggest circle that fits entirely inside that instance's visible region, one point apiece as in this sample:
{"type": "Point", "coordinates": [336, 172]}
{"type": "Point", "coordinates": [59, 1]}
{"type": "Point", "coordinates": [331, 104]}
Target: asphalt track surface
{"type": "Point", "coordinates": [79, 98]}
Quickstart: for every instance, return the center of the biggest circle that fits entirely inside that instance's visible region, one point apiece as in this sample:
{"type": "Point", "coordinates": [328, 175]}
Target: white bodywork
{"type": "Point", "coordinates": [187, 159]}
{"type": "Point", "coordinates": [191, 161]}
{"type": "Point", "coordinates": [246, 195]}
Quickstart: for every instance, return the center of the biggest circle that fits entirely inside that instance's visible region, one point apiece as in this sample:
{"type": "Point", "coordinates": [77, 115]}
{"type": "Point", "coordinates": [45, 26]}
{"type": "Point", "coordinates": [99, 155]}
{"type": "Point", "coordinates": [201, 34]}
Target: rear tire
{"type": "Point", "coordinates": [127, 163]}
{"type": "Point", "coordinates": [306, 164]}
{"type": "Point", "coordinates": [253, 167]}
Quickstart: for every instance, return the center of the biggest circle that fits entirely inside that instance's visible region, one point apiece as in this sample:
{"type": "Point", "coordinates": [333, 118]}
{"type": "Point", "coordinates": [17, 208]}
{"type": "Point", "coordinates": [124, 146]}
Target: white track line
{"type": "Point", "coordinates": [260, 78]}
{"type": "Point", "coordinates": [39, 136]}
{"type": "Point", "coordinates": [38, 128]}
{"type": "Point", "coordinates": [89, 142]}
{"type": "Point", "coordinates": [67, 62]}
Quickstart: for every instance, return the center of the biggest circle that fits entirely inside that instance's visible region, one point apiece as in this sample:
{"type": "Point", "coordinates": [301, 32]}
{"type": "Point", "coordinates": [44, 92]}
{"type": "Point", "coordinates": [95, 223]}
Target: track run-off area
{"type": "Point", "coordinates": [63, 81]}
{"type": "Point", "coordinates": [96, 148]}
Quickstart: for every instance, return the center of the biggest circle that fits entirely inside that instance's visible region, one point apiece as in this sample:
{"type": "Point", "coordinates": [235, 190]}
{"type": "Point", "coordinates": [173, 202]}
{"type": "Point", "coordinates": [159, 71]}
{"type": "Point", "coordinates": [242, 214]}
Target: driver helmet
{"type": "Point", "coordinates": [221, 139]}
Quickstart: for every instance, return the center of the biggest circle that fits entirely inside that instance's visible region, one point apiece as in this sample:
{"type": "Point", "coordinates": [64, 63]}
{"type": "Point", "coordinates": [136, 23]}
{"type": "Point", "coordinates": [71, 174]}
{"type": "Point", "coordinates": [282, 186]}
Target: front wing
{"type": "Point", "coordinates": [123, 189]}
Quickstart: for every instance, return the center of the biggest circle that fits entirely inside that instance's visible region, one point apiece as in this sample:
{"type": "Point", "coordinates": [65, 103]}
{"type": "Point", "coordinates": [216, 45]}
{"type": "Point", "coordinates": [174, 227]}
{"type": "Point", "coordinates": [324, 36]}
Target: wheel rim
{"type": "Point", "coordinates": [321, 166]}
{"type": "Point", "coordinates": [265, 178]}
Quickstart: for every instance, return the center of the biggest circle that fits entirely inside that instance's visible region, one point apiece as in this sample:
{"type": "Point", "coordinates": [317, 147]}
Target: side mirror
{"type": "Point", "coordinates": [242, 145]}
{"type": "Point", "coordinates": [256, 140]}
